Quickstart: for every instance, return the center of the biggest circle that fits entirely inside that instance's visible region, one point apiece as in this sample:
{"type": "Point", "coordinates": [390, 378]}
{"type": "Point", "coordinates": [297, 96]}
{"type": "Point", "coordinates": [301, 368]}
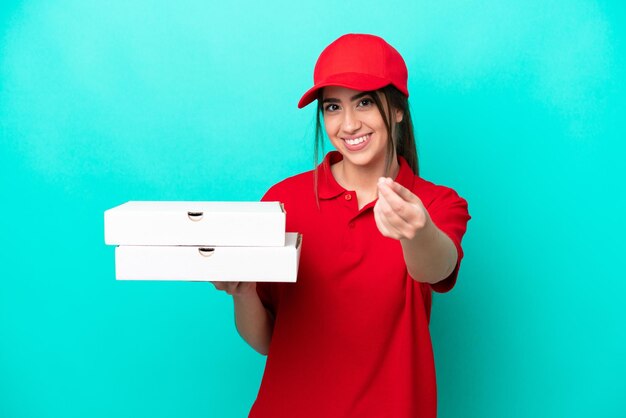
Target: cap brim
{"type": "Point", "coordinates": [354, 81]}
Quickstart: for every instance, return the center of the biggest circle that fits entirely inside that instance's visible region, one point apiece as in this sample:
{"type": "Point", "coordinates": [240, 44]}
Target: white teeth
{"type": "Point", "coordinates": [356, 141]}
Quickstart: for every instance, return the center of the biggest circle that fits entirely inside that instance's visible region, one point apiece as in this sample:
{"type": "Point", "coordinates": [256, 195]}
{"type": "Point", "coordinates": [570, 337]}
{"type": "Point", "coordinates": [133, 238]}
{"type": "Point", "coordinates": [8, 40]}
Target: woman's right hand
{"type": "Point", "coordinates": [236, 288]}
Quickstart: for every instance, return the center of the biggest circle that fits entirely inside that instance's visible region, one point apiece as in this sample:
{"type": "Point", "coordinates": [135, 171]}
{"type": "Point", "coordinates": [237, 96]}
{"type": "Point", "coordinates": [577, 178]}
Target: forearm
{"type": "Point", "coordinates": [253, 322]}
{"type": "Point", "coordinates": [430, 256]}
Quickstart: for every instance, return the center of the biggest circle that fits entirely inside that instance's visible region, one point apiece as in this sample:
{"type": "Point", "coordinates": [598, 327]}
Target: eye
{"type": "Point", "coordinates": [331, 107]}
{"type": "Point", "coordinates": [365, 102]}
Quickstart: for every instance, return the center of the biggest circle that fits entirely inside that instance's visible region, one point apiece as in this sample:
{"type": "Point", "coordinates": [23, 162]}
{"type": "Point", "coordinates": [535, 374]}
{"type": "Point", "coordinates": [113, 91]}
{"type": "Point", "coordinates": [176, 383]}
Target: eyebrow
{"type": "Point", "coordinates": [353, 98]}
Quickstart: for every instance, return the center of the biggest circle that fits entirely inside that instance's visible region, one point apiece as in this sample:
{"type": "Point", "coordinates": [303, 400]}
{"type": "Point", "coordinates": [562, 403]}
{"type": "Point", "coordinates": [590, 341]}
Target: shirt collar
{"type": "Point", "coordinates": [328, 188]}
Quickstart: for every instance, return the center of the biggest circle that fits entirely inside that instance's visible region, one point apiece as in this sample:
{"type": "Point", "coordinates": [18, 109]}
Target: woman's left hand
{"type": "Point", "coordinates": [399, 213]}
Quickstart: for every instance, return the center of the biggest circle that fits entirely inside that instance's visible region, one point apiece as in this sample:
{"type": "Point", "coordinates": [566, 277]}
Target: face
{"type": "Point", "coordinates": [355, 126]}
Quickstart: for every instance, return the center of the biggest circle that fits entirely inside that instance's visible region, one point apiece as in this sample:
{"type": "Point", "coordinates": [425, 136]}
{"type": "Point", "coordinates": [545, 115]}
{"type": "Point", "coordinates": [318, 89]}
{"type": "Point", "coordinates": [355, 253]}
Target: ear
{"type": "Point", "coordinates": [399, 115]}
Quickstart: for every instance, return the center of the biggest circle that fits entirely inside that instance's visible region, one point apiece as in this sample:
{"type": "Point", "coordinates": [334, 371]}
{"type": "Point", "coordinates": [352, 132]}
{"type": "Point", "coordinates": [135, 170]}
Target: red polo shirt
{"type": "Point", "coordinates": [351, 337]}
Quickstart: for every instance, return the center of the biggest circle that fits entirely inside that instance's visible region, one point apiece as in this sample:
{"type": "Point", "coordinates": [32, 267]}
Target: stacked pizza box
{"type": "Point", "coordinates": [202, 241]}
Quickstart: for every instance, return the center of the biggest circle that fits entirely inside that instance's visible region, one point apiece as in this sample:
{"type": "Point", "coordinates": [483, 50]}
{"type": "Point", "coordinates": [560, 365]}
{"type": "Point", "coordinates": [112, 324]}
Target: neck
{"type": "Point", "coordinates": [363, 179]}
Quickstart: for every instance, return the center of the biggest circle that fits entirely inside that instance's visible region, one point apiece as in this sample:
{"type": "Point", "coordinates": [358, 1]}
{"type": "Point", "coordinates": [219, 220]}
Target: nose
{"type": "Point", "coordinates": [351, 122]}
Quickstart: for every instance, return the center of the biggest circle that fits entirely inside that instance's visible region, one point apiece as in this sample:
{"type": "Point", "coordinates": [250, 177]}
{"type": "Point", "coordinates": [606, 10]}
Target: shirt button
{"type": "Point", "coordinates": [351, 225]}
{"type": "Point", "coordinates": [348, 196]}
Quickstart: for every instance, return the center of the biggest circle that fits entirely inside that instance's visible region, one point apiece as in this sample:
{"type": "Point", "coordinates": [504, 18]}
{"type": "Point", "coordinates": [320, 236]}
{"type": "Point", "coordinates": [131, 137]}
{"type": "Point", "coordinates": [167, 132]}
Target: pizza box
{"type": "Point", "coordinates": [247, 224]}
{"type": "Point", "coordinates": [210, 263]}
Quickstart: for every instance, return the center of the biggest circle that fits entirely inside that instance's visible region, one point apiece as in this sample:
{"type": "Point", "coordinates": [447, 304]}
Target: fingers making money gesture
{"type": "Point", "coordinates": [399, 213]}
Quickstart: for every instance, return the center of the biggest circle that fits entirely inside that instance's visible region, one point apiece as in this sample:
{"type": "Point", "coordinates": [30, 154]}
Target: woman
{"type": "Point", "coordinates": [351, 338]}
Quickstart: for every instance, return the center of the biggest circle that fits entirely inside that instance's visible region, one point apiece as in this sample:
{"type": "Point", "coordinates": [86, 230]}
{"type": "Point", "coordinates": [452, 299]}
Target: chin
{"type": "Point", "coordinates": [363, 159]}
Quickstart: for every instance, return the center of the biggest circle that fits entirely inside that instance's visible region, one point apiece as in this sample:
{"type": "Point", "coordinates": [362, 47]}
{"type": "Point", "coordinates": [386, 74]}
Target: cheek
{"type": "Point", "coordinates": [381, 129]}
{"type": "Point", "coordinates": [331, 127]}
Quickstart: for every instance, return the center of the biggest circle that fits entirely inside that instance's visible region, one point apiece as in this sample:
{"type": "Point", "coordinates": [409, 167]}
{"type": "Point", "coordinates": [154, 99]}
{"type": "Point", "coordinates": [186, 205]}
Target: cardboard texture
{"type": "Point", "coordinates": [204, 263]}
{"type": "Point", "coordinates": [249, 224]}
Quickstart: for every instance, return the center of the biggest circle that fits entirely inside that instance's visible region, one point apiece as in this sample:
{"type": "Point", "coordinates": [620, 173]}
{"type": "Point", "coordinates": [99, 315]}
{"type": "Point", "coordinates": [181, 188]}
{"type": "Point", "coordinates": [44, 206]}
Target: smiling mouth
{"type": "Point", "coordinates": [357, 140]}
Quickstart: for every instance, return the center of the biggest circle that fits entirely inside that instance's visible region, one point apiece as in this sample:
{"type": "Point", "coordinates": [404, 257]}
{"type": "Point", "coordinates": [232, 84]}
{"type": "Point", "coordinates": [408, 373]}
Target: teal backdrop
{"type": "Point", "coordinates": [518, 105]}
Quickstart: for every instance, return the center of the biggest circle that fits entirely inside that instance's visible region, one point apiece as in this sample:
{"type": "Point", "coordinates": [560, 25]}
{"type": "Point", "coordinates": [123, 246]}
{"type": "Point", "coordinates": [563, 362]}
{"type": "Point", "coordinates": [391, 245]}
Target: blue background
{"type": "Point", "coordinates": [518, 105]}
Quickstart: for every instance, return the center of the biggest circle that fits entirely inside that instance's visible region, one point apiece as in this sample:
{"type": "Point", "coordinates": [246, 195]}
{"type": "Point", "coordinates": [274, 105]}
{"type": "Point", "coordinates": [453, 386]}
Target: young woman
{"type": "Point", "coordinates": [351, 338]}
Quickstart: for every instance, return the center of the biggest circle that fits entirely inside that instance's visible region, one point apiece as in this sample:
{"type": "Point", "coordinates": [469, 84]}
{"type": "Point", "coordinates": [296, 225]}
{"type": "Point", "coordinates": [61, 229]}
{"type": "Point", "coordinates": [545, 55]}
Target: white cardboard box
{"type": "Point", "coordinates": [197, 263]}
{"type": "Point", "coordinates": [248, 224]}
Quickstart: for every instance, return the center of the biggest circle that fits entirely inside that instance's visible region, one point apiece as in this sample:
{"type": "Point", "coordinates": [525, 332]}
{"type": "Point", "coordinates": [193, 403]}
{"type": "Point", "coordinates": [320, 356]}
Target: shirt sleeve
{"type": "Point", "coordinates": [450, 214]}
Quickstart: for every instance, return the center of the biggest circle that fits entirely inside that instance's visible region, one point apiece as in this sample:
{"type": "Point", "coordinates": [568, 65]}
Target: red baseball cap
{"type": "Point", "coordinates": [359, 62]}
